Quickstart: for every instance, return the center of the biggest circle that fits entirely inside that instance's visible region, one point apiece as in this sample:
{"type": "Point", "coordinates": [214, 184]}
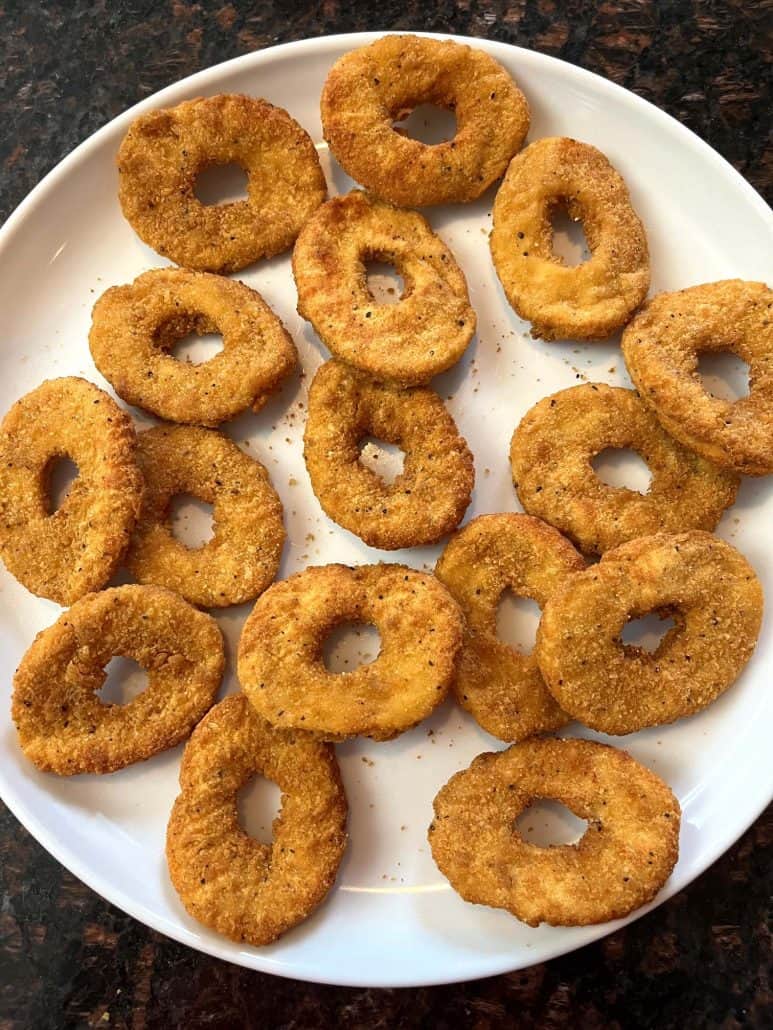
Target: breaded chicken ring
{"type": "Point", "coordinates": [429, 327]}
{"type": "Point", "coordinates": [242, 557]}
{"type": "Point", "coordinates": [370, 88]}
{"type": "Point", "coordinates": [620, 863]}
{"type": "Point", "coordinates": [551, 454]}
{"type": "Point", "coordinates": [661, 348]}
{"type": "Point", "coordinates": [230, 882]}
{"type": "Point", "coordinates": [708, 589]}
{"type": "Point", "coordinates": [281, 668]}
{"type": "Point", "coordinates": [163, 154]}
{"type": "Point", "coordinates": [64, 727]}
{"type": "Point", "coordinates": [498, 685]}
{"type": "Point", "coordinates": [429, 497]}
{"type": "Point", "coordinates": [69, 552]}
{"type": "Point", "coordinates": [135, 326]}
{"type": "Point", "coordinates": [589, 301]}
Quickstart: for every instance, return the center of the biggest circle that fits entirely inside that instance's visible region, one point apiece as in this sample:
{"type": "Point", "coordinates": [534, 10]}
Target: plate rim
{"type": "Point", "coordinates": [255, 958]}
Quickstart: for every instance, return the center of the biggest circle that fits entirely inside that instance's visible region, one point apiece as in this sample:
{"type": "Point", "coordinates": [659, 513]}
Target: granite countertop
{"type": "Point", "coordinates": [69, 959]}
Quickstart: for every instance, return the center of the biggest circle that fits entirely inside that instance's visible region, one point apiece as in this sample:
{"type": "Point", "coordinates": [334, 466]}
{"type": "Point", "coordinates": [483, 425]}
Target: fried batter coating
{"type": "Point", "coordinates": [662, 346]}
{"type": "Point", "coordinates": [370, 88]}
{"type": "Point", "coordinates": [135, 326]}
{"type": "Point", "coordinates": [281, 667]}
{"type": "Point", "coordinates": [62, 724]}
{"type": "Point", "coordinates": [242, 558]}
{"type": "Point", "coordinates": [409, 342]}
{"type": "Point", "coordinates": [619, 864]}
{"type": "Point", "coordinates": [163, 154]}
{"type": "Point", "coordinates": [589, 301]}
{"type": "Point", "coordinates": [498, 685]}
{"type": "Point", "coordinates": [708, 589]}
{"type": "Point", "coordinates": [230, 882]}
{"type": "Point", "coordinates": [67, 553]}
{"type": "Point", "coordinates": [551, 454]}
{"type": "Point", "coordinates": [430, 496]}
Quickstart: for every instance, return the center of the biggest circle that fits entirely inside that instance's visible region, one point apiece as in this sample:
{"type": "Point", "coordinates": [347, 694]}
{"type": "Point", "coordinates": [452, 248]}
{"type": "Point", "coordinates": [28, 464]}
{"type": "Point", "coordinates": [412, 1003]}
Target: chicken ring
{"type": "Point", "coordinates": [229, 881]}
{"type": "Point", "coordinates": [551, 454]}
{"type": "Point", "coordinates": [281, 668]}
{"type": "Point", "coordinates": [242, 557]}
{"type": "Point", "coordinates": [594, 299]}
{"type": "Point", "coordinates": [661, 348]}
{"type": "Point", "coordinates": [702, 583]}
{"type": "Point", "coordinates": [69, 552]}
{"type": "Point", "coordinates": [62, 724]}
{"type": "Point", "coordinates": [409, 342]}
{"type": "Point", "coordinates": [370, 88]}
{"type": "Point", "coordinates": [498, 685]}
{"type": "Point", "coordinates": [430, 496]}
{"type": "Point", "coordinates": [620, 863]}
{"type": "Point", "coordinates": [135, 326]}
{"type": "Point", "coordinates": [163, 154]}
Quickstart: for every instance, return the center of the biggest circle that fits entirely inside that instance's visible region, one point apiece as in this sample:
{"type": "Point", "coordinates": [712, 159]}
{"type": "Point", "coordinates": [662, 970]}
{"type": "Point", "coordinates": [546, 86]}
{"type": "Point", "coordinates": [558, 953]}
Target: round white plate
{"type": "Point", "coordinates": [392, 919]}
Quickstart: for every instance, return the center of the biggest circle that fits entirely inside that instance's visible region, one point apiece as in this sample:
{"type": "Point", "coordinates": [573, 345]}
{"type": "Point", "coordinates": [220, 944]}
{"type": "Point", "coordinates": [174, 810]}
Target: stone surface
{"type": "Point", "coordinates": [67, 958]}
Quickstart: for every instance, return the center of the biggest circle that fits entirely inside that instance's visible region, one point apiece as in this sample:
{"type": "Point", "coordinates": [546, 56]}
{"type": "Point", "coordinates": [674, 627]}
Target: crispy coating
{"type": "Point", "coordinates": [429, 497]}
{"type": "Point", "coordinates": [589, 301]}
{"type": "Point", "coordinates": [62, 724]}
{"type": "Point", "coordinates": [662, 346]}
{"type": "Point", "coordinates": [229, 881]}
{"type": "Point", "coordinates": [165, 151]}
{"type": "Point", "coordinates": [242, 558]}
{"type": "Point", "coordinates": [370, 88]}
{"type": "Point", "coordinates": [551, 454]}
{"type": "Point", "coordinates": [281, 667]}
{"type": "Point", "coordinates": [135, 326]}
{"type": "Point", "coordinates": [501, 687]}
{"type": "Point", "coordinates": [424, 333]}
{"type": "Point", "coordinates": [67, 553]}
{"type": "Point", "coordinates": [708, 589]}
{"type": "Point", "coordinates": [620, 863]}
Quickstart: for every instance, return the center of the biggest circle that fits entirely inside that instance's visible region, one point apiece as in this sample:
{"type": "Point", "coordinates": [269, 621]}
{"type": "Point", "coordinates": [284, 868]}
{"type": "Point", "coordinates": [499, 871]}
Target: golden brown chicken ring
{"type": "Point", "coordinates": [619, 864]}
{"type": "Point", "coordinates": [551, 454]}
{"type": "Point", "coordinates": [281, 667]}
{"type": "Point", "coordinates": [662, 346]}
{"type": "Point", "coordinates": [588, 301]}
{"type": "Point", "coordinates": [135, 326]}
{"type": "Point", "coordinates": [69, 552]}
{"type": "Point", "coordinates": [242, 557]}
{"type": "Point", "coordinates": [227, 880]}
{"type": "Point", "coordinates": [163, 154]}
{"type": "Point", "coordinates": [498, 685]}
{"type": "Point", "coordinates": [708, 589]}
{"type": "Point", "coordinates": [408, 342]}
{"type": "Point", "coordinates": [62, 724]}
{"type": "Point", "coordinates": [370, 88]}
{"type": "Point", "coordinates": [429, 497]}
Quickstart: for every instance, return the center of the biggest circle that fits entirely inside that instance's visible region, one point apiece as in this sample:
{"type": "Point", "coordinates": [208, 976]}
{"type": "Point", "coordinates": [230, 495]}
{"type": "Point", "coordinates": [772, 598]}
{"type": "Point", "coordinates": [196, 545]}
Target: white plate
{"type": "Point", "coordinates": [392, 919]}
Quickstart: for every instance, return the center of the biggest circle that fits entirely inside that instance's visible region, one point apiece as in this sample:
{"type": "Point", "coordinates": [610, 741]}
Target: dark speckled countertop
{"type": "Point", "coordinates": [67, 958]}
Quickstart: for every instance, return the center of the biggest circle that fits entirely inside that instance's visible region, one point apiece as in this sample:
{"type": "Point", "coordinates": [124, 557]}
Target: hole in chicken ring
{"type": "Point", "coordinates": [500, 687]}
{"type": "Point", "coordinates": [242, 557]}
{"type": "Point", "coordinates": [620, 863]}
{"type": "Point", "coordinates": [429, 327]}
{"type": "Point", "coordinates": [708, 589]}
{"type": "Point", "coordinates": [430, 496]}
{"type": "Point", "coordinates": [281, 664]}
{"type": "Point", "coordinates": [587, 301]}
{"type": "Point", "coordinates": [227, 880]}
{"type": "Point", "coordinates": [163, 154]}
{"type": "Point", "coordinates": [135, 326]}
{"type": "Point", "coordinates": [551, 454]}
{"type": "Point", "coordinates": [63, 726]}
{"type": "Point", "coordinates": [372, 87]}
